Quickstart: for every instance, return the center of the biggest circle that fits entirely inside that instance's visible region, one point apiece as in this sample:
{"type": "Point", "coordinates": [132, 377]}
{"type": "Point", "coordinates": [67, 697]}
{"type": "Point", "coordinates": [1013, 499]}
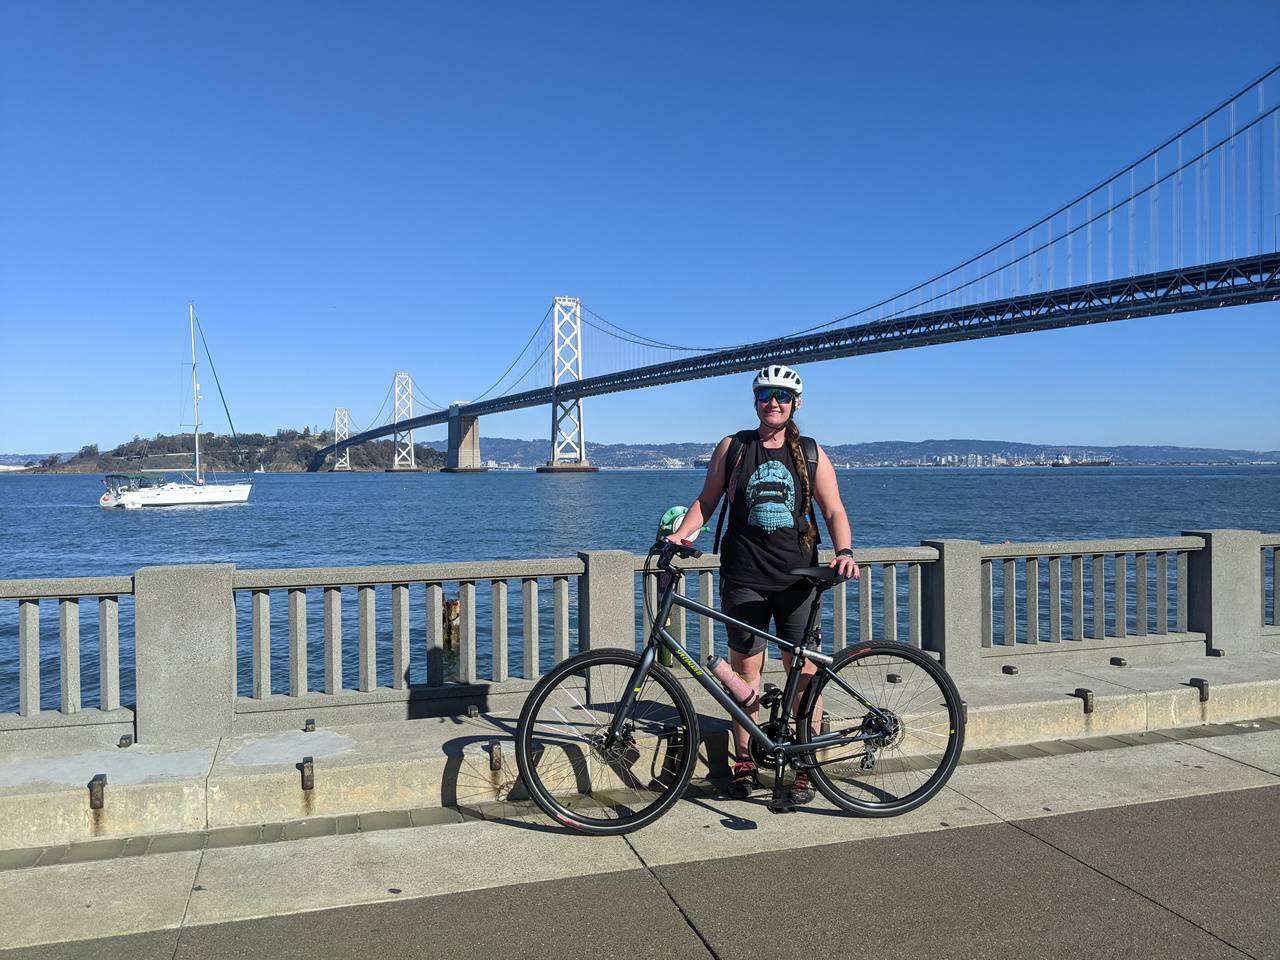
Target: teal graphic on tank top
{"type": "Point", "coordinates": [771, 497]}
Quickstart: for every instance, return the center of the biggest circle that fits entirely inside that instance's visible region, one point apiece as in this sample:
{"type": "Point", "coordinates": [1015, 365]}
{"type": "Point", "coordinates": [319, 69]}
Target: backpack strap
{"type": "Point", "coordinates": [810, 448]}
{"type": "Point", "coordinates": [732, 460]}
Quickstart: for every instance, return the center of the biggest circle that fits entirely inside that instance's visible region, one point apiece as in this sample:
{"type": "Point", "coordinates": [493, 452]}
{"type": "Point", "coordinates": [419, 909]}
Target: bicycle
{"type": "Point", "coordinates": [608, 739]}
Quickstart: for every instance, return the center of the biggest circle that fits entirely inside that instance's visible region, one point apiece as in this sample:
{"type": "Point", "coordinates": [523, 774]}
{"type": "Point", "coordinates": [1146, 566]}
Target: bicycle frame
{"type": "Point", "coordinates": [659, 638]}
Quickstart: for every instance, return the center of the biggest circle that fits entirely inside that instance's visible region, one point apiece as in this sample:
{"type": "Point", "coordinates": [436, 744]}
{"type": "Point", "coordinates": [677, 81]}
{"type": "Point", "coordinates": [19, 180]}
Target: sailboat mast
{"type": "Point", "coordinates": [195, 386]}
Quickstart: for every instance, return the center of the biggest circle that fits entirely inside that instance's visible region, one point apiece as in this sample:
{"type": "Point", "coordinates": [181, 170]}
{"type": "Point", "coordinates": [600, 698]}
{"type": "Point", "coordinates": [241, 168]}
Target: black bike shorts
{"type": "Point", "coordinates": [788, 608]}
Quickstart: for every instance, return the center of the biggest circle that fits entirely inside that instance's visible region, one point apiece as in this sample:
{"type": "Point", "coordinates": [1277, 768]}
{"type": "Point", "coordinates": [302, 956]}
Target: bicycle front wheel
{"type": "Point", "coordinates": [563, 759]}
{"type": "Point", "coordinates": [905, 749]}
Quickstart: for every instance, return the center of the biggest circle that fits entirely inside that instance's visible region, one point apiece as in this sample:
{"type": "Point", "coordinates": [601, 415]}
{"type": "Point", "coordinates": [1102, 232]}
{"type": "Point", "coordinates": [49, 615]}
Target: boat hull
{"type": "Point", "coordinates": [177, 495]}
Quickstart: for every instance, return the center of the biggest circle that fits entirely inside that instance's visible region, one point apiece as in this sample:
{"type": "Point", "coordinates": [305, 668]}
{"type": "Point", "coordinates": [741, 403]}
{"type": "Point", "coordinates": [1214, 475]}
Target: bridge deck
{"type": "Point", "coordinates": [1202, 287]}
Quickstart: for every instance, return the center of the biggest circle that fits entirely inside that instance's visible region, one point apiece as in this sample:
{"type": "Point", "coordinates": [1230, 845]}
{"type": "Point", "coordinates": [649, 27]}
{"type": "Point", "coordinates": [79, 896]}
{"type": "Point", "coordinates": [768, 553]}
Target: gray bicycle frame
{"type": "Point", "coordinates": [659, 637]}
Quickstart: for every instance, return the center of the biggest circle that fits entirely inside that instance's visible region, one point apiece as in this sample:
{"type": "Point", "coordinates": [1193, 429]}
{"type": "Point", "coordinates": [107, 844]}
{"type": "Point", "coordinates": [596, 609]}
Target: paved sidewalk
{"type": "Point", "coordinates": [1042, 857]}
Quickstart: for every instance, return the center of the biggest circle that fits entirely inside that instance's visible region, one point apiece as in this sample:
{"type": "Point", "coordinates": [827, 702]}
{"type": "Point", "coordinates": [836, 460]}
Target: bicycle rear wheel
{"type": "Point", "coordinates": [560, 748]}
{"type": "Point", "coordinates": [911, 746]}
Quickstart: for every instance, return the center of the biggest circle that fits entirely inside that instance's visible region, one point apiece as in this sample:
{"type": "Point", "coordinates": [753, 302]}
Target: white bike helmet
{"type": "Point", "coordinates": [776, 375]}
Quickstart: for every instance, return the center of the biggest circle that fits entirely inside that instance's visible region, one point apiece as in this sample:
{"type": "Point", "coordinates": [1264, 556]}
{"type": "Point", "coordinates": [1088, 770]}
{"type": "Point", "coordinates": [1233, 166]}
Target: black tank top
{"type": "Point", "coordinates": [765, 522]}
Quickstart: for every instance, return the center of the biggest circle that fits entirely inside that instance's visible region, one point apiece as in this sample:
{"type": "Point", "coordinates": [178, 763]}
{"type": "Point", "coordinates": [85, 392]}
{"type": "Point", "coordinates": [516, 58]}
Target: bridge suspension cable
{"type": "Point", "coordinates": [1000, 266]}
{"type": "Point", "coordinates": [540, 327]}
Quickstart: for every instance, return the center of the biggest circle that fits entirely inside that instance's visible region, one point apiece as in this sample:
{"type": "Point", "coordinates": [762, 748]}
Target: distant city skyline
{"type": "Point", "coordinates": [352, 192]}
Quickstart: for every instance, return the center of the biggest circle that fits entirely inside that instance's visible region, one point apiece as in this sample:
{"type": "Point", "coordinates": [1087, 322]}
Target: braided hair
{"type": "Point", "coordinates": [806, 482]}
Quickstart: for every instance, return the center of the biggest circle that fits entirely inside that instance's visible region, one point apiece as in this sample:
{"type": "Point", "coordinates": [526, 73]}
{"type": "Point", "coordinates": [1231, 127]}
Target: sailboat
{"type": "Point", "coordinates": [160, 488]}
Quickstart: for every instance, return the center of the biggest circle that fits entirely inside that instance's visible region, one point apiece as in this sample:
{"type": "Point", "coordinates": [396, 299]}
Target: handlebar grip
{"type": "Point", "coordinates": [687, 550]}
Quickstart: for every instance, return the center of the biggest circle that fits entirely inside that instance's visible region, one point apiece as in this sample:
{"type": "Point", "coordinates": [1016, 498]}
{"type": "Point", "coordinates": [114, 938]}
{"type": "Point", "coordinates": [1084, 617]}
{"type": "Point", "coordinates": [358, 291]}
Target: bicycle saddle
{"type": "Point", "coordinates": [824, 575]}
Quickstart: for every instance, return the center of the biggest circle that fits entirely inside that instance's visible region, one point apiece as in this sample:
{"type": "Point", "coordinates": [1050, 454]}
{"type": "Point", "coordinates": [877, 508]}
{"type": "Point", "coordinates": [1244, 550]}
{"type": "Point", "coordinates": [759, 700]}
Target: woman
{"type": "Point", "coordinates": [770, 492]}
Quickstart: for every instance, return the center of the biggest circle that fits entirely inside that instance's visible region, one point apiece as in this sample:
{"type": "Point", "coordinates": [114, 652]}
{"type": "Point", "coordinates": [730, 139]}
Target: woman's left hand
{"type": "Point", "coordinates": [846, 567]}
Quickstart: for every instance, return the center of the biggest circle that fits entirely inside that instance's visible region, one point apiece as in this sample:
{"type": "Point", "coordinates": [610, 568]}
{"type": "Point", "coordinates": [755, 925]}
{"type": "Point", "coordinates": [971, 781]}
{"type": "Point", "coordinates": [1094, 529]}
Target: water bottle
{"type": "Point", "coordinates": [738, 688]}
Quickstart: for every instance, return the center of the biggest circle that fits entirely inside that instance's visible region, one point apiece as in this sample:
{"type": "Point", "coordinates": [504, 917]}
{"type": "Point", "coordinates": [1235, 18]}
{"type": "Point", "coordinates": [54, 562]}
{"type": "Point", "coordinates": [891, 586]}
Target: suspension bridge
{"type": "Point", "coordinates": [1193, 224]}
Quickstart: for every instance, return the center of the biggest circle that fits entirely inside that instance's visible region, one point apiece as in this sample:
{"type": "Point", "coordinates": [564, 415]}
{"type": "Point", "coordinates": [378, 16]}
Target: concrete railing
{"type": "Point", "coordinates": [35, 717]}
{"type": "Point", "coordinates": [886, 605]}
{"type": "Point", "coordinates": [357, 644]}
{"type": "Point", "coordinates": [404, 632]}
{"type": "Point", "coordinates": [1111, 607]}
{"type": "Point", "coordinates": [1269, 544]}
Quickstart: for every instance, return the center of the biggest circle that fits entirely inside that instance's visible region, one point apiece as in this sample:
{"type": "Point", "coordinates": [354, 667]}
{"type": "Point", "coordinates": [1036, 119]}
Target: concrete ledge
{"type": "Point", "coordinates": [53, 730]}
{"type": "Point", "coordinates": [469, 763]}
{"type": "Point", "coordinates": [148, 790]}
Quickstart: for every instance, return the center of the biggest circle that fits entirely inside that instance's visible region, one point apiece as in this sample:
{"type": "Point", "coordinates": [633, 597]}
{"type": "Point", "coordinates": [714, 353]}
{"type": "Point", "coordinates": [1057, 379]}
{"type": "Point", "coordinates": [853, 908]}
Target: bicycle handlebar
{"type": "Point", "coordinates": [667, 550]}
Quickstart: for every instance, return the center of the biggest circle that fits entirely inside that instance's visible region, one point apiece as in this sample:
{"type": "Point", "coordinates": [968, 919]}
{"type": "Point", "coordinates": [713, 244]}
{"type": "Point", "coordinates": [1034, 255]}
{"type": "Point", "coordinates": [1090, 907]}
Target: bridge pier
{"type": "Point", "coordinates": [464, 443]}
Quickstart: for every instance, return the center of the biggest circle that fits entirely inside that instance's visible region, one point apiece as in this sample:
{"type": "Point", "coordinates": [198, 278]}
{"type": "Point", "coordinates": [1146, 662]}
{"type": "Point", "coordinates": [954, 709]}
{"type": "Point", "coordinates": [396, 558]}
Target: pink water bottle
{"type": "Point", "coordinates": [738, 688]}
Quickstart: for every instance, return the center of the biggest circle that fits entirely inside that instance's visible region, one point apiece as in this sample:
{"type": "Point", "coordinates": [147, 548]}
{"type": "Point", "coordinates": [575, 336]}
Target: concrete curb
{"type": "Point", "coordinates": [470, 763]}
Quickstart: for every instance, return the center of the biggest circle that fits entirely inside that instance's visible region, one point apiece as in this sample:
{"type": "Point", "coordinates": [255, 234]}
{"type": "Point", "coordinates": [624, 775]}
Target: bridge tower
{"type": "Point", "coordinates": [568, 443]}
{"type": "Point", "coordinates": [342, 430]}
{"type": "Point", "coordinates": [402, 440]}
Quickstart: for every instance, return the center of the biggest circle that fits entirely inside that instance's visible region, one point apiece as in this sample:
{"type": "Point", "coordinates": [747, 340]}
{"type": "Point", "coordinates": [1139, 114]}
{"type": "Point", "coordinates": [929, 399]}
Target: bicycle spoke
{"type": "Point", "coordinates": [575, 773]}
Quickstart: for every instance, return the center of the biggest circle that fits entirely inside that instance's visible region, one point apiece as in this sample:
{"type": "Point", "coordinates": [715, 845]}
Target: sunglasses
{"type": "Point", "coordinates": [775, 393]}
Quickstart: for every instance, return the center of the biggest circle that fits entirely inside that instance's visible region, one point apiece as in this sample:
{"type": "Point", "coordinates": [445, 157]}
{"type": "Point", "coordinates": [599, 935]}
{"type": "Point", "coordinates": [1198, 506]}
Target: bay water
{"type": "Point", "coordinates": [52, 526]}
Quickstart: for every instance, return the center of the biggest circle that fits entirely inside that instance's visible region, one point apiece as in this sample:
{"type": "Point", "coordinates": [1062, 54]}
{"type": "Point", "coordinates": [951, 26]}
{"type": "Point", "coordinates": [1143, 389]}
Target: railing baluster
{"type": "Point", "coordinates": [677, 615]}
{"type": "Point", "coordinates": [987, 588]}
{"type": "Point", "coordinates": [1009, 584]}
{"type": "Point", "coordinates": [560, 618]}
{"type": "Point", "coordinates": [1055, 599]}
{"type": "Point", "coordinates": [435, 634]}
{"type": "Point", "coordinates": [1262, 581]}
{"type": "Point", "coordinates": [529, 624]}
{"type": "Point", "coordinates": [1099, 596]}
{"type": "Point", "coordinates": [1162, 592]}
{"type": "Point", "coordinates": [706, 626]}
{"type": "Point", "coordinates": [866, 629]}
{"type": "Point", "coordinates": [467, 631]}
{"type": "Point", "coordinates": [1033, 600]}
{"type": "Point", "coordinates": [69, 645]}
{"type": "Point", "coordinates": [109, 653]}
{"type": "Point", "coordinates": [261, 644]}
{"type": "Point", "coordinates": [1077, 598]}
{"type": "Point", "coordinates": [400, 652]}
{"type": "Point", "coordinates": [498, 602]}
{"type": "Point", "coordinates": [839, 617]}
{"type": "Point", "coordinates": [1121, 563]}
{"type": "Point", "coordinates": [332, 639]}
{"type": "Point", "coordinates": [1140, 593]}
{"type": "Point", "coordinates": [890, 595]}
{"type": "Point", "coordinates": [913, 604]}
{"type": "Point", "coordinates": [297, 641]}
{"type": "Point", "coordinates": [28, 657]}
{"type": "Point", "coordinates": [1181, 587]}
{"type": "Point", "coordinates": [367, 616]}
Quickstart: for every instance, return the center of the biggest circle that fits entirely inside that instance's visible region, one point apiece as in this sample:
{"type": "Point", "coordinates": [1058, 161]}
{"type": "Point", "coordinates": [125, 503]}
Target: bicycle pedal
{"type": "Point", "coordinates": [781, 806]}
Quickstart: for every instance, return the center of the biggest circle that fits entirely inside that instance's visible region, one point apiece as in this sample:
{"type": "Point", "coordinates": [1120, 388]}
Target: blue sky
{"type": "Point", "coordinates": [349, 190]}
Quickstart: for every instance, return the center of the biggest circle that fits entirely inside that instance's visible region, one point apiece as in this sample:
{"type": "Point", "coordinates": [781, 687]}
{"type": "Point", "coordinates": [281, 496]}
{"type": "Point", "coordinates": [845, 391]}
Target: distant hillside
{"type": "Point", "coordinates": [289, 450]}
{"type": "Point", "coordinates": [531, 453]}
{"type": "Point", "coordinates": [286, 451]}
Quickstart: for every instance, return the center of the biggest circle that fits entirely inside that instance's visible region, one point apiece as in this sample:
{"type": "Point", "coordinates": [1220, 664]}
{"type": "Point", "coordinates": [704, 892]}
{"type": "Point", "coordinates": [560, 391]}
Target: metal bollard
{"type": "Point", "coordinates": [309, 725]}
{"type": "Point", "coordinates": [1085, 694]}
{"type": "Point", "coordinates": [97, 788]}
{"type": "Point", "coordinates": [1202, 685]}
{"type": "Point", "coordinates": [308, 773]}
{"type": "Point", "coordinates": [495, 755]}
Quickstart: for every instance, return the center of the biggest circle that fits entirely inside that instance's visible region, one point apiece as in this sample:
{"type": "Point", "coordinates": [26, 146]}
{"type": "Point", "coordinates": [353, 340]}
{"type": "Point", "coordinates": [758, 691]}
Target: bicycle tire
{"type": "Point", "coordinates": [548, 736]}
{"type": "Point", "coordinates": [912, 758]}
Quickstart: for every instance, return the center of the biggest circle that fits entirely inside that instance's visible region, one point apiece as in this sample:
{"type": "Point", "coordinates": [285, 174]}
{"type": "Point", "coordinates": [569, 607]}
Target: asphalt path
{"type": "Point", "coordinates": [1194, 877]}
